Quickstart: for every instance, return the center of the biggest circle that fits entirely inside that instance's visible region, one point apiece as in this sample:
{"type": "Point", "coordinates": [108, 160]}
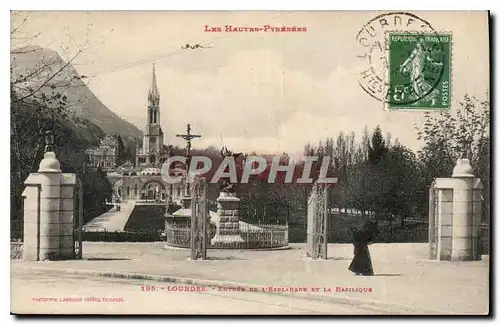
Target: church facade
{"type": "Point", "coordinates": [142, 180]}
{"type": "Point", "coordinates": [106, 155]}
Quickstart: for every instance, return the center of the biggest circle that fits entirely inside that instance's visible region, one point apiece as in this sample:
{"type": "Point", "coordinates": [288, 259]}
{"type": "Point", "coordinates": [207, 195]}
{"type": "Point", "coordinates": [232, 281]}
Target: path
{"type": "Point", "coordinates": [404, 277]}
{"type": "Point", "coordinates": [112, 220]}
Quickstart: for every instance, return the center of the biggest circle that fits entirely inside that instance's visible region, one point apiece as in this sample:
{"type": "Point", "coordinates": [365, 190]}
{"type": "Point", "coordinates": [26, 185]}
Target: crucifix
{"type": "Point", "coordinates": [188, 137]}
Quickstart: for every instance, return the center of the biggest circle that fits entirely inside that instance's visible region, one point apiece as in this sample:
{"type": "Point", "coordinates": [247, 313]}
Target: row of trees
{"type": "Point", "coordinates": [379, 176]}
{"type": "Point", "coordinates": [376, 176]}
{"type": "Point", "coordinates": [384, 178]}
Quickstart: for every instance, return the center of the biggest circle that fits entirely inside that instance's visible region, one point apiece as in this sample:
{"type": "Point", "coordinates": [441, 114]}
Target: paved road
{"type": "Point", "coordinates": [405, 278]}
{"type": "Point", "coordinates": [62, 293]}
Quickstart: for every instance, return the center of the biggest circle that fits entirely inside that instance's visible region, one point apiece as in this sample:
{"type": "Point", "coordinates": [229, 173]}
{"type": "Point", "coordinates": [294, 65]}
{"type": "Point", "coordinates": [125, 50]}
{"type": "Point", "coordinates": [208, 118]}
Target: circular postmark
{"type": "Point", "coordinates": [402, 59]}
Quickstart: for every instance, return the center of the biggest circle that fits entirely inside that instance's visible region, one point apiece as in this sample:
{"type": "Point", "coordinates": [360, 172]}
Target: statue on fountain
{"type": "Point", "coordinates": [228, 204]}
{"type": "Point", "coordinates": [226, 185]}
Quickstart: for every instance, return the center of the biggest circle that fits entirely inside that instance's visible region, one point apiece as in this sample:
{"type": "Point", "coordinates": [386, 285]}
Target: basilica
{"type": "Point", "coordinates": [141, 181]}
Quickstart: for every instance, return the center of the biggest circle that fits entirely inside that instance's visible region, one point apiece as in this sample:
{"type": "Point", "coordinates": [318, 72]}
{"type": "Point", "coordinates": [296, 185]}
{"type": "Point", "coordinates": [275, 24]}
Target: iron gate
{"type": "Point", "coordinates": [199, 215]}
{"type": "Point", "coordinates": [317, 222]}
{"type": "Point", "coordinates": [78, 224]}
{"type": "Point", "coordinates": [433, 221]}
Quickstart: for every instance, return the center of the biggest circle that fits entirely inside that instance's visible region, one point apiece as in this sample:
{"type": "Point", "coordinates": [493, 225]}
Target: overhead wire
{"type": "Point", "coordinates": [170, 53]}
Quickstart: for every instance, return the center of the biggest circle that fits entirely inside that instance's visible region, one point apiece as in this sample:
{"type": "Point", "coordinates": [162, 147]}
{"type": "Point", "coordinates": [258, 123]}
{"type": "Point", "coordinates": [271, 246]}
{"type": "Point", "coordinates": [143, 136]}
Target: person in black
{"type": "Point", "coordinates": [361, 237]}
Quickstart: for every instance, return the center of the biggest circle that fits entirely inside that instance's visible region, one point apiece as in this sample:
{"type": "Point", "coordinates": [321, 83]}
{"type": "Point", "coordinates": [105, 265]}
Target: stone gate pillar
{"type": "Point", "coordinates": [457, 216]}
{"type": "Point", "coordinates": [467, 210]}
{"type": "Point", "coordinates": [228, 227]}
{"type": "Point", "coordinates": [48, 212]}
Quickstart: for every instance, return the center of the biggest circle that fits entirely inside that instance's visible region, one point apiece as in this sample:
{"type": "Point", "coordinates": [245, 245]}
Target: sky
{"type": "Point", "coordinates": [259, 91]}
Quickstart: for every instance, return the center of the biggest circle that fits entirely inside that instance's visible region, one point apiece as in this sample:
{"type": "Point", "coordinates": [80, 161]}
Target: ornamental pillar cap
{"type": "Point", "coordinates": [49, 163]}
{"type": "Point", "coordinates": [462, 169]}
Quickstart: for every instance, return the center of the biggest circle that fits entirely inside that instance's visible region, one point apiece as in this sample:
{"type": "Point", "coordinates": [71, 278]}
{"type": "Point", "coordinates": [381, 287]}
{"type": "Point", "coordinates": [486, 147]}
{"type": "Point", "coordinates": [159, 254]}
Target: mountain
{"type": "Point", "coordinates": [32, 66]}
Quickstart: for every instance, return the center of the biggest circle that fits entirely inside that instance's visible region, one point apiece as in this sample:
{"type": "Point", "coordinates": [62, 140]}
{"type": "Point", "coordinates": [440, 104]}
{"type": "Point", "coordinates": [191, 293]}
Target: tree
{"type": "Point", "coordinates": [38, 103]}
{"type": "Point", "coordinates": [309, 150]}
{"type": "Point", "coordinates": [405, 193]}
{"type": "Point", "coordinates": [463, 134]}
{"type": "Point", "coordinates": [377, 148]}
{"type": "Point", "coordinates": [96, 189]}
{"type": "Point", "coordinates": [344, 155]}
{"type": "Point", "coordinates": [448, 137]}
{"type": "Point", "coordinates": [36, 99]}
{"type": "Point", "coordinates": [358, 191]}
{"type": "Point", "coordinates": [383, 178]}
{"type": "Point", "coordinates": [121, 151]}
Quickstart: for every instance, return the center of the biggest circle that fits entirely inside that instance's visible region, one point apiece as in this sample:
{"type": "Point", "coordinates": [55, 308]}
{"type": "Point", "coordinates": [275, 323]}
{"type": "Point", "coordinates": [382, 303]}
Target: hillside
{"type": "Point", "coordinates": [72, 136]}
{"type": "Point", "coordinates": [76, 117]}
{"type": "Point", "coordinates": [40, 63]}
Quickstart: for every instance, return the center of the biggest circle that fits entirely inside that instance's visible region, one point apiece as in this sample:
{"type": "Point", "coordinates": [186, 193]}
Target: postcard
{"type": "Point", "coordinates": [250, 162]}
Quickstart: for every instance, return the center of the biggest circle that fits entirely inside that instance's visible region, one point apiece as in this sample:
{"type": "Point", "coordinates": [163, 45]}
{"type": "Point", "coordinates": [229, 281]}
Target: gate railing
{"type": "Point", "coordinates": [255, 236]}
{"type": "Point", "coordinates": [199, 216]}
{"type": "Point", "coordinates": [433, 221]}
{"type": "Point", "coordinates": [78, 227]}
{"type": "Point", "coordinates": [317, 222]}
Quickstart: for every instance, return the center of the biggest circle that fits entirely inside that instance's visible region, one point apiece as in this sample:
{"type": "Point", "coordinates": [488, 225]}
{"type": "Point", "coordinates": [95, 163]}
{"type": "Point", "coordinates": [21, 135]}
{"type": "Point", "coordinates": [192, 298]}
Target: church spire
{"type": "Point", "coordinates": [154, 95]}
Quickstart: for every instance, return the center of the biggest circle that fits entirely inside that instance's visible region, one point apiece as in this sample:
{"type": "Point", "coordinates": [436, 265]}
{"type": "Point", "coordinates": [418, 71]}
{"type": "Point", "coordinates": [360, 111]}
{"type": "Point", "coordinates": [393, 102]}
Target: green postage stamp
{"type": "Point", "coordinates": [419, 74]}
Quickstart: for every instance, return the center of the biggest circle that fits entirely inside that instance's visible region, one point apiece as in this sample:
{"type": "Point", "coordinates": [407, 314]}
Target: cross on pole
{"type": "Point", "coordinates": [188, 137]}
